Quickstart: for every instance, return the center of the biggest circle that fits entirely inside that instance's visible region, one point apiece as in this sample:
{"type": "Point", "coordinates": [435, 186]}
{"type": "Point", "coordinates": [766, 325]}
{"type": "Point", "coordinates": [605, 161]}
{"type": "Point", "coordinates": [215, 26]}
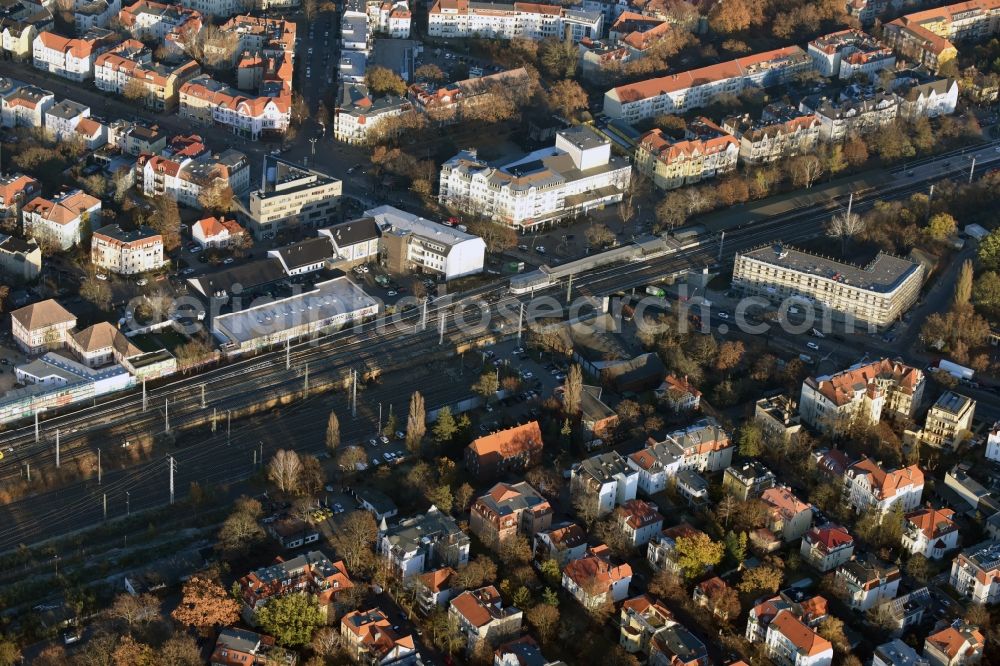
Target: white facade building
{"type": "Point", "coordinates": [59, 220]}
{"type": "Point", "coordinates": [61, 120]}
{"type": "Point", "coordinates": [411, 242]}
{"type": "Point", "coordinates": [126, 252]}
{"type": "Point", "coordinates": [975, 573]}
{"type": "Point", "coordinates": [606, 480]}
{"type": "Point", "coordinates": [462, 18]}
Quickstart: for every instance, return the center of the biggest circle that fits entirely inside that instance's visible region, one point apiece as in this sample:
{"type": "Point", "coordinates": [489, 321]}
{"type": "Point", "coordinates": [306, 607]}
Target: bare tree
{"type": "Point", "coordinates": [805, 170]}
{"type": "Point", "coordinates": [573, 390]}
{"type": "Point", "coordinates": [416, 422]}
{"type": "Point", "coordinates": [284, 470]}
{"type": "Point", "coordinates": [845, 226]}
{"type": "Point", "coordinates": [332, 431]}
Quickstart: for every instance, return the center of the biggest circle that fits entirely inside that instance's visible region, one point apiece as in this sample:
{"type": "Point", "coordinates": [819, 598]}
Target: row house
{"type": "Point", "coordinates": [42, 326]}
{"type": "Point", "coordinates": [481, 617]}
{"type": "Point", "coordinates": [20, 260]}
{"type": "Point", "coordinates": [747, 480]}
{"type": "Point", "coordinates": [159, 22]}
{"type": "Point", "coordinates": [391, 17]}
{"type": "Point", "coordinates": [23, 105]}
{"type": "Point", "coordinates": [787, 517]}
{"type": "Point", "coordinates": [865, 391]}
{"type": "Point", "coordinates": [126, 252]}
{"type": "Point", "coordinates": [868, 487]}
{"type": "Point", "coordinates": [827, 547]}
{"type": "Point", "coordinates": [69, 58]}
{"type": "Point", "coordinates": [975, 573]}
{"type": "Point", "coordinates": [359, 115]}
{"type": "Point", "coordinates": [562, 543]}
{"type": "Point", "coordinates": [508, 511]}
{"type": "Point", "coordinates": [370, 638]}
{"type": "Point", "coordinates": [60, 220]}
{"type": "Point", "coordinates": [811, 611]}
{"type": "Point", "coordinates": [603, 482]}
{"type": "Point", "coordinates": [312, 573]}
{"type": "Point", "coordinates": [781, 132]}
{"type": "Point", "coordinates": [686, 91]}
{"type": "Point", "coordinates": [706, 151]}
{"type": "Point", "coordinates": [857, 116]}
{"type": "Point", "coordinates": [791, 642]}
{"type": "Point", "coordinates": [638, 522]}
{"type": "Point", "coordinates": [62, 119]}
{"type": "Point", "coordinates": [514, 449]}
{"type": "Point", "coordinates": [928, 37]}
{"type": "Point", "coordinates": [208, 102]}
{"type": "Point", "coordinates": [430, 539]}
{"type": "Point", "coordinates": [868, 583]}
{"type": "Point", "coordinates": [129, 70]}
{"type": "Point", "coordinates": [960, 644]}
{"type": "Point", "coordinates": [848, 53]}
{"type": "Point", "coordinates": [462, 18]}
{"type": "Point", "coordinates": [594, 581]}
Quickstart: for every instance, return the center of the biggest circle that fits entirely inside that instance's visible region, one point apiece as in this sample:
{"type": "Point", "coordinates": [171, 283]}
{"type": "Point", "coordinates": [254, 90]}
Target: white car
{"type": "Point", "coordinates": [196, 249]}
{"type": "Point", "coordinates": [813, 346]}
{"type": "Point", "coordinates": [101, 276]}
{"type": "Point", "coordinates": [540, 249]}
{"type": "Point", "coordinates": [372, 442]}
{"type": "Point", "coordinates": [387, 456]}
{"type": "Point", "coordinates": [723, 315]}
{"type": "Point", "coordinates": [374, 462]}
{"type": "Point", "coordinates": [142, 282]}
{"type": "Point", "coordinates": [383, 439]}
{"type": "Point", "coordinates": [365, 269]}
{"type": "Point", "coordinates": [527, 375]}
{"type": "Point", "coordinates": [391, 292]}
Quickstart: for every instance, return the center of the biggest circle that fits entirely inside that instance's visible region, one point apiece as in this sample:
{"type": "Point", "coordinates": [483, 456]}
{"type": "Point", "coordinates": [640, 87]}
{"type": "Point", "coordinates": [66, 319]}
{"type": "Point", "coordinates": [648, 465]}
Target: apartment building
{"type": "Point", "coordinates": [788, 517]}
{"type": "Point", "coordinates": [355, 241]}
{"type": "Point", "coordinates": [508, 511]}
{"type": "Point", "coordinates": [69, 58]}
{"type": "Point", "coordinates": [359, 115]}
{"type": "Point", "coordinates": [593, 580]}
{"type": "Point", "coordinates": [562, 543]}
{"type": "Point", "coordinates": [435, 589]}
{"type": "Point", "coordinates": [638, 521]}
{"type": "Point", "coordinates": [59, 220]}
{"type": "Point", "coordinates": [686, 91]}
{"type": "Point", "coordinates": [61, 120]}
{"type": "Point", "coordinates": [975, 573]}
{"type": "Point", "coordinates": [576, 175]}
{"type": "Point", "coordinates": [15, 190]}
{"type": "Point", "coordinates": [204, 100]}
{"type": "Point", "coordinates": [656, 465]}
{"type": "Point", "coordinates": [184, 179]}
{"type": "Point", "coordinates": [523, 651]}
{"type": "Point", "coordinates": [410, 243]}
{"type": "Point", "coordinates": [240, 647]}
{"type": "Point", "coordinates": [126, 252]}
{"type": "Point", "coordinates": [217, 8]}
{"type": "Point", "coordinates": [827, 547]}
{"type": "Point", "coordinates": [868, 487]}
{"type": "Point", "coordinates": [147, 19]}
{"type": "Point", "coordinates": [705, 151]}
{"type": "Point", "coordinates": [630, 38]}
{"type": "Point", "coordinates": [868, 583]}
{"type": "Point", "coordinates": [930, 532]}
{"type": "Point", "coordinates": [23, 105]}
{"type": "Point", "coordinates": [949, 420]}
{"type": "Point", "coordinates": [928, 37]}
{"type": "Point", "coordinates": [17, 38]}
{"type": "Point", "coordinates": [603, 482]}
{"type": "Point", "coordinates": [791, 642]}
{"type": "Point", "coordinates": [370, 639]}
{"type": "Point", "coordinates": [513, 449]}
{"type": "Point", "coordinates": [290, 197]}
{"type": "Point", "coordinates": [897, 653]}
{"type": "Point", "coordinates": [850, 53]}
{"type": "Point", "coordinates": [481, 616]}
{"type": "Point", "coordinates": [811, 611]}
{"type": "Point", "coordinates": [453, 103]}
{"type": "Point", "coordinates": [90, 14]}
{"type": "Point", "coordinates": [427, 540]}
{"type": "Point", "coordinates": [857, 115]}
{"type": "Point", "coordinates": [927, 99]}
{"type": "Point", "coordinates": [391, 17]}
{"type": "Point", "coordinates": [778, 417]}
{"type": "Point", "coordinates": [20, 260]}
{"type": "Point", "coordinates": [41, 326]}
{"type": "Point", "coordinates": [960, 644]}
{"type": "Point", "coordinates": [705, 446]}
{"type": "Point", "coordinates": [661, 553]}
{"type": "Point", "coordinates": [312, 572]}
{"type": "Point", "coordinates": [263, 36]}
{"type": "Point", "coordinates": [993, 442]}
{"type": "Point", "coordinates": [877, 294]}
{"type": "Point", "coordinates": [495, 20]}
{"type": "Point", "coordinates": [129, 70]}
{"type": "Point", "coordinates": [101, 344]}
{"type": "Point", "coordinates": [747, 480]}
{"type": "Point", "coordinates": [781, 132]}
{"type": "Point", "coordinates": [640, 619]}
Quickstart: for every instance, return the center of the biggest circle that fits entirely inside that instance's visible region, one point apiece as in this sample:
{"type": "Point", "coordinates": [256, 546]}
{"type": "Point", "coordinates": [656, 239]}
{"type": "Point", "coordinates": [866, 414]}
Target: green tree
{"type": "Point", "coordinates": [384, 81]}
{"type": "Point", "coordinates": [986, 290]}
{"type": "Point", "coordinates": [989, 251]}
{"type": "Point", "coordinates": [440, 496]}
{"type": "Point", "coordinates": [522, 597]}
{"type": "Point", "coordinates": [764, 578]}
{"type": "Point", "coordinates": [751, 439]}
{"type": "Point", "coordinates": [736, 545]}
{"type": "Point", "coordinates": [550, 597]}
{"type": "Point", "coordinates": [551, 572]}
{"type": "Point", "coordinates": [697, 553]}
{"type": "Point", "coordinates": [487, 384]}
{"type": "Point", "coordinates": [444, 427]}
{"type": "Point", "coordinates": [291, 619]}
{"type": "Point", "coordinates": [941, 226]}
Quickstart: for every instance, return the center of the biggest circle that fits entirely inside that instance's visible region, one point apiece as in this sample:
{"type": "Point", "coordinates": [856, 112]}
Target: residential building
{"type": "Point", "coordinates": [960, 644]}
{"type": "Point", "coordinates": [59, 221]}
{"type": "Point", "coordinates": [657, 465]}
{"type": "Point", "coordinates": [411, 243]}
{"type": "Point", "coordinates": [975, 573]}
{"type": "Point", "coordinates": [788, 517]}
{"type": "Point", "coordinates": [449, 19]}
{"type": "Point", "coordinates": [877, 294]}
{"type": "Point", "coordinates": [355, 241]}
{"type": "Point", "coordinates": [20, 260]}
{"type": "Point", "coordinates": [371, 639]}
{"type": "Point", "coordinates": [640, 619]}
{"type": "Point", "coordinates": [375, 502]}
{"type": "Point", "coordinates": [747, 480]}
{"type": "Point", "coordinates": [25, 106]}
{"type": "Point", "coordinates": [435, 589]}
{"type": "Point", "coordinates": [90, 14]}
{"type": "Point", "coordinates": [431, 539]}
{"type": "Point", "coordinates": [949, 420]}
{"type": "Point", "coordinates": [217, 8]}
{"type": "Point", "coordinates": [603, 482]}
{"type": "Point", "coordinates": [638, 521]}
{"type": "Point", "coordinates": [597, 419]}
{"type": "Point", "coordinates": [69, 58]}
{"type": "Point", "coordinates": [705, 151]}
{"type": "Point", "coordinates": [692, 486]}
{"type": "Point", "coordinates": [90, 133]}
{"type": "Point", "coordinates": [291, 197]}
{"type": "Point", "coordinates": [661, 550]}
{"type": "Point", "coordinates": [928, 99]}
{"type": "Point", "coordinates": [868, 583]}
{"type": "Point", "coordinates": [15, 190]}
{"type": "Point", "coordinates": [17, 38]}
{"type": "Point", "coordinates": [42, 326]}
{"type": "Point", "coordinates": [126, 252]}
{"type": "Point", "coordinates": [578, 174]}
{"type": "Point", "coordinates": [221, 233]}
{"type": "Point", "coordinates": [307, 256]}
{"type": "Point", "coordinates": [327, 306]}
{"type": "Point", "coordinates": [508, 511]}
{"type": "Point", "coordinates": [859, 115]}
{"type": "Point", "coordinates": [865, 391]}
{"type": "Point", "coordinates": [685, 91]}
{"type": "Point", "coordinates": [993, 442]}
{"type": "Point", "coordinates": [562, 543]}
{"type": "Point", "coordinates": [780, 132]}
{"type": "Point", "coordinates": [704, 446]}
{"type": "Point", "coordinates": [827, 547]}
{"type": "Point", "coordinates": [897, 653]}
{"type": "Point", "coordinates": [207, 101]}
{"type": "Point", "coordinates": [312, 573]}
{"type": "Point", "coordinates": [185, 179]}
{"type": "Point", "coordinates": [361, 118]}
{"type": "Point", "coordinates": [906, 611]}
{"type": "Point", "coordinates": [523, 651]}
{"type": "Point", "coordinates": [146, 19]}
{"type": "Point", "coordinates": [674, 644]}
{"type": "Point", "coordinates": [778, 417]}
{"type": "Point", "coordinates": [391, 17]}
{"type": "Point", "coordinates": [810, 610]}
{"type": "Point", "coordinates": [134, 139]}
{"type": "Point", "coordinates": [593, 580]}
{"type": "Point", "coordinates": [927, 37]}
{"type": "Point", "coordinates": [481, 616]}
{"type": "Point", "coordinates": [472, 98]}
{"type": "Point", "coordinates": [680, 393]}
{"type": "Point", "coordinates": [101, 344]}
{"type": "Point", "coordinates": [129, 70]}
{"type": "Point", "coordinates": [292, 532]}
{"type": "Point", "coordinates": [791, 642]}
{"type": "Point", "coordinates": [868, 487]}
{"type": "Point", "coordinates": [514, 449]}
{"type": "Point", "coordinates": [976, 496]}
{"type": "Point", "coordinates": [850, 53]}
{"type": "Point", "coordinates": [61, 120]}
{"type": "Point", "coordinates": [240, 647]}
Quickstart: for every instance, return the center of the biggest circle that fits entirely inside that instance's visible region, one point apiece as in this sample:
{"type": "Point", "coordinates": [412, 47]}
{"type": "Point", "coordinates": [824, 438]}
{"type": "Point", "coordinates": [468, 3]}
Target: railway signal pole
{"type": "Point", "coordinates": [305, 388]}
{"type": "Point", "coordinates": [520, 322]}
{"type": "Point", "coordinates": [203, 396]}
{"type": "Point", "coordinates": [166, 415]}
{"type": "Point", "coordinates": [173, 467]}
{"type": "Point", "coordinates": [972, 169]}
{"type": "Point", "coordinates": [57, 448]}
{"type": "Point", "coordinates": [144, 394]}
{"type": "Point", "coordinates": [99, 472]}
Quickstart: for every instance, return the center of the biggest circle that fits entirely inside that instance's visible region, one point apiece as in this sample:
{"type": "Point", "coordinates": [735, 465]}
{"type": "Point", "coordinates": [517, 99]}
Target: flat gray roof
{"type": "Point", "coordinates": [884, 274]}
